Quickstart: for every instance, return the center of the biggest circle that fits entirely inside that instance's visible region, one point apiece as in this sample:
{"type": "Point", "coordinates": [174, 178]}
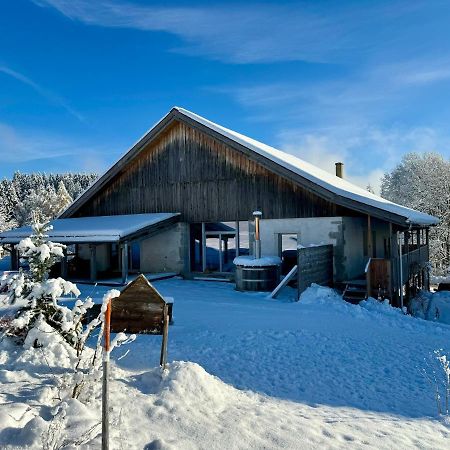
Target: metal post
{"type": "Point", "coordinates": [225, 250]}
{"type": "Point", "coordinates": [369, 237]}
{"type": "Point", "coordinates": [400, 254]}
{"type": "Point", "coordinates": [370, 255]}
{"type": "Point", "coordinates": [64, 264]}
{"type": "Point", "coordinates": [105, 387]}
{"type": "Point", "coordinates": [257, 215]}
{"type": "Point", "coordinates": [392, 267]}
{"type": "Point", "coordinates": [203, 247]}
{"type": "Point", "coordinates": [419, 244]}
{"type": "Point", "coordinates": [15, 258]}
{"type": "Point", "coordinates": [93, 262]}
{"type": "Point", "coordinates": [237, 239]}
{"type": "Point", "coordinates": [220, 253]}
{"type": "Point", "coordinates": [406, 236]}
{"type": "Point", "coordinates": [427, 243]}
{"type": "Point", "coordinates": [125, 262]}
{"type": "Point", "coordinates": [163, 359]}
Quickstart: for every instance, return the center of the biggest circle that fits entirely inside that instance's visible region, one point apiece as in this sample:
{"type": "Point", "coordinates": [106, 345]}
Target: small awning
{"type": "Point", "coordinates": [98, 229]}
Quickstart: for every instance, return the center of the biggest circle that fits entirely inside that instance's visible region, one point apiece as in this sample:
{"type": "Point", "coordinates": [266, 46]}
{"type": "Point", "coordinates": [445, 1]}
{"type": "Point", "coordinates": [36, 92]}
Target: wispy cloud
{"type": "Point", "coordinates": [21, 146]}
{"type": "Point", "coordinates": [421, 72]}
{"type": "Point", "coordinates": [386, 55]}
{"type": "Point", "coordinates": [367, 152]}
{"type": "Point", "coordinates": [45, 93]}
{"type": "Point", "coordinates": [259, 32]}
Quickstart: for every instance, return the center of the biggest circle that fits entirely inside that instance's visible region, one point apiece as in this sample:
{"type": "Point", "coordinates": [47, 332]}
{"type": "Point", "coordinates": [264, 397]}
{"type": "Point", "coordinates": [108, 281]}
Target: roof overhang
{"type": "Point", "coordinates": [99, 229]}
{"type": "Point", "coordinates": [337, 191]}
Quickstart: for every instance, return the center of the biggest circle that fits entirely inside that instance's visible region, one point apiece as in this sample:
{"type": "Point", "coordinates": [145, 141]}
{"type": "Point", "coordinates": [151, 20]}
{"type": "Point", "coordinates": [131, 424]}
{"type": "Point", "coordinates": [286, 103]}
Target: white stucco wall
{"type": "Point", "coordinates": [346, 234]}
{"type": "Point", "coordinates": [167, 251]}
{"type": "Point", "coordinates": [311, 231]}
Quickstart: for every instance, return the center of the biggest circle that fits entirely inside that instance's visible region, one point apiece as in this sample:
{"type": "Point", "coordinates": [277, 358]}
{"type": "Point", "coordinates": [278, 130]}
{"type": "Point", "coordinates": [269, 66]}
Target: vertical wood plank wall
{"type": "Point", "coordinates": [189, 172]}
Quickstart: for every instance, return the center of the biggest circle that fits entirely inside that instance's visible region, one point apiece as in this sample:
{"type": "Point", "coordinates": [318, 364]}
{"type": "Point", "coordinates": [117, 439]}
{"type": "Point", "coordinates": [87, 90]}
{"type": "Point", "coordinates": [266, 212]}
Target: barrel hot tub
{"type": "Point", "coordinates": [257, 274]}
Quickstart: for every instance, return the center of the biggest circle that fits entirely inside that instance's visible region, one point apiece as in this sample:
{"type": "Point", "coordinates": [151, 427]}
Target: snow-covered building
{"type": "Point", "coordinates": [181, 200]}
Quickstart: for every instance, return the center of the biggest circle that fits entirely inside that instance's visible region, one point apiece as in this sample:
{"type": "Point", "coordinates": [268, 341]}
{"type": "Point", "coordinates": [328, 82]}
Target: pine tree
{"type": "Point", "coordinates": [63, 197]}
{"type": "Point", "coordinates": [46, 195]}
{"type": "Point", "coordinates": [4, 223]}
{"type": "Point", "coordinates": [9, 199]}
{"type": "Point", "coordinates": [41, 293]}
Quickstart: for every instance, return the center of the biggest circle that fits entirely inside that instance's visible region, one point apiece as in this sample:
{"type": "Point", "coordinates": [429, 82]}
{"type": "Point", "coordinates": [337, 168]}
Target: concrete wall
{"type": "Point", "coordinates": [354, 259]}
{"type": "Point", "coordinates": [102, 255]}
{"type": "Point", "coordinates": [310, 231]}
{"type": "Point", "coordinates": [346, 234]}
{"type": "Point", "coordinates": [167, 251]}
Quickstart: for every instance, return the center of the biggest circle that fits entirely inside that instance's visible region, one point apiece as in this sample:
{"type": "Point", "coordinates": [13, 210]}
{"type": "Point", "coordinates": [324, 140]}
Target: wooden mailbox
{"type": "Point", "coordinates": [141, 309]}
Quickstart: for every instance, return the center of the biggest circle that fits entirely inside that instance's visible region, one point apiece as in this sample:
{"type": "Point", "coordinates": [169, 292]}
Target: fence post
{"type": "Point", "coordinates": [105, 396]}
{"type": "Point", "coordinates": [163, 358]}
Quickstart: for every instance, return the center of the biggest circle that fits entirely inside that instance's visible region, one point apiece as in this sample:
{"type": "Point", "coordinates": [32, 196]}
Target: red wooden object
{"type": "Point", "coordinates": [107, 331]}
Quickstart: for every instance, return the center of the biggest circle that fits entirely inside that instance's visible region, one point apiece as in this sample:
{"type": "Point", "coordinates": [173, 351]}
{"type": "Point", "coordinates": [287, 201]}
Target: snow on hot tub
{"type": "Point", "coordinates": [249, 261]}
{"type": "Point", "coordinates": [257, 274]}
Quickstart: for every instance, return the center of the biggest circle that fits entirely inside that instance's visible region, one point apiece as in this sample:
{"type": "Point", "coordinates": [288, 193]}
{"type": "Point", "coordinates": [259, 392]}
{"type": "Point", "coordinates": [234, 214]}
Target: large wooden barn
{"type": "Point", "coordinates": [181, 201]}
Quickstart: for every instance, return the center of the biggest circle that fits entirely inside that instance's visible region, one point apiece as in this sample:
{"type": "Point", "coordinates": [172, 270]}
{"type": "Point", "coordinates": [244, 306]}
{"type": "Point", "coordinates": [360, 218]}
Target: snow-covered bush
{"type": "Point", "coordinates": [437, 372]}
{"type": "Point", "coordinates": [87, 367]}
{"type": "Point", "coordinates": [42, 322]}
{"type": "Point", "coordinates": [38, 295]}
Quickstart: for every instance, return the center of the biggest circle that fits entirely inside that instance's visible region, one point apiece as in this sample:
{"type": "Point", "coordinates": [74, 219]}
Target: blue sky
{"type": "Point", "coordinates": [359, 81]}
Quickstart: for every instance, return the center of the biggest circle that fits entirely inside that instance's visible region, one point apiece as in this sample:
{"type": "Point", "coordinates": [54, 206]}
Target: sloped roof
{"type": "Point", "coordinates": [95, 229]}
{"type": "Point", "coordinates": [323, 183]}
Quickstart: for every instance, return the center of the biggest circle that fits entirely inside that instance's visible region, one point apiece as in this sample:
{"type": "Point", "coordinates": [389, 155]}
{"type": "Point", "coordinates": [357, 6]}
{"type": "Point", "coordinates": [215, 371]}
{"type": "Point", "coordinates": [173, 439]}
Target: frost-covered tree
{"type": "Point", "coordinates": [8, 202]}
{"type": "Point", "coordinates": [41, 321]}
{"type": "Point", "coordinates": [41, 203]}
{"type": "Point", "coordinates": [39, 295]}
{"type": "Point", "coordinates": [422, 182]}
{"type": "Point", "coordinates": [63, 197]}
{"type": "Point", "coordinates": [44, 194]}
{"type": "Point", "coordinates": [3, 218]}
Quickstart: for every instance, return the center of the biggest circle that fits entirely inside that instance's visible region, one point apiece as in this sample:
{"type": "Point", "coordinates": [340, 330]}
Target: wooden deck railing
{"type": "Point", "coordinates": [413, 261]}
{"type": "Point", "coordinates": [382, 275]}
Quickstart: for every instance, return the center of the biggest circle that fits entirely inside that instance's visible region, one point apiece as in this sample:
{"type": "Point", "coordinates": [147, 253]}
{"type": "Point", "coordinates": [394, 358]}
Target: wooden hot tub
{"type": "Point", "coordinates": [260, 274]}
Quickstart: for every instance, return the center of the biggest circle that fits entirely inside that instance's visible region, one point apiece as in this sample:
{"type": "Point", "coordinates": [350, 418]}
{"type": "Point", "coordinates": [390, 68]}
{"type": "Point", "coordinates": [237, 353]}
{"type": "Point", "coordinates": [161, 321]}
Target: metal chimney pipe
{"type": "Point", "coordinates": [257, 215]}
{"type": "Point", "coordinates": [339, 169]}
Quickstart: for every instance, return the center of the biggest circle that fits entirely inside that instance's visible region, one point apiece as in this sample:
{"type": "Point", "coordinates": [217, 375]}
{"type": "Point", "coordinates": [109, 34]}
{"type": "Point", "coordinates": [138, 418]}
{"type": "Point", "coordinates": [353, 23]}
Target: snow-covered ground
{"type": "Point", "coordinates": [260, 373]}
{"type": "Point", "coordinates": [432, 306]}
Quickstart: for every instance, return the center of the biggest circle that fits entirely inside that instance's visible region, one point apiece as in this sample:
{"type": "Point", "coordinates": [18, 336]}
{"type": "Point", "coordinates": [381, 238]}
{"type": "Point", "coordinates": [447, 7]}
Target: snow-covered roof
{"type": "Point", "coordinates": [316, 175]}
{"type": "Point", "coordinates": [92, 229]}
{"type": "Point", "coordinates": [329, 183]}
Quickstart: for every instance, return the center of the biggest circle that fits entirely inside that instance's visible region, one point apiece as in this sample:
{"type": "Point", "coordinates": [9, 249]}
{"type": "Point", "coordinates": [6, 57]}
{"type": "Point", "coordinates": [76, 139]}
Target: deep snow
{"type": "Point", "coordinates": [320, 373]}
{"type": "Point", "coordinates": [432, 306]}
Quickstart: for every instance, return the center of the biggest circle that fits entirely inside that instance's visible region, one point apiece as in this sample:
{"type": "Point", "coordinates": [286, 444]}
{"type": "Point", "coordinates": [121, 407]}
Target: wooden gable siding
{"type": "Point", "coordinates": [186, 171]}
